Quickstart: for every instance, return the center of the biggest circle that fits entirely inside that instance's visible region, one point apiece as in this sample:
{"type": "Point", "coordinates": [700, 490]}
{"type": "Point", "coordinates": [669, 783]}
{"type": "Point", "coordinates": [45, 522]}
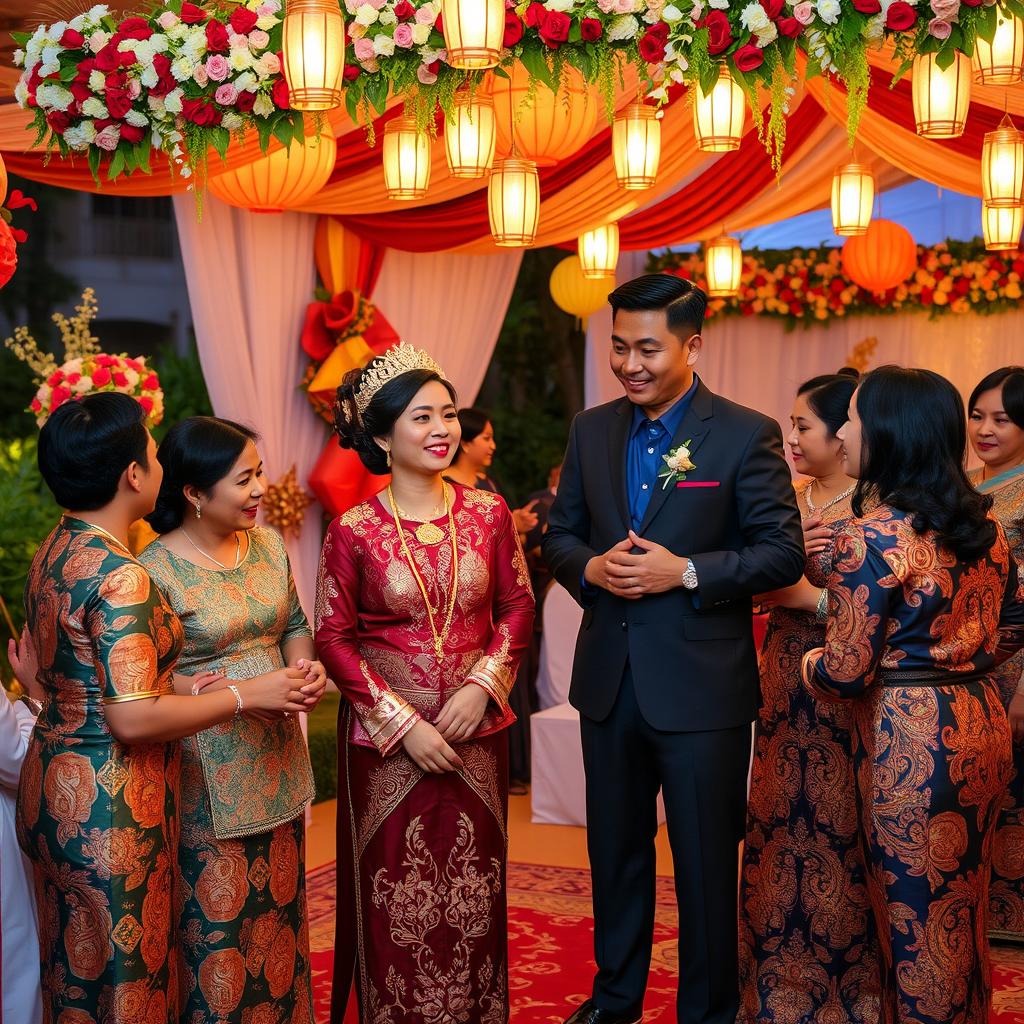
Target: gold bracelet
{"type": "Point", "coordinates": [238, 699]}
{"type": "Point", "coordinates": [123, 698]}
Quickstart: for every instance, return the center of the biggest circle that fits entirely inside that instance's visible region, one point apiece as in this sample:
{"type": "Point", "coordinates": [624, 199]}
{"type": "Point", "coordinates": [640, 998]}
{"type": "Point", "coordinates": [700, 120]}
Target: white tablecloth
{"type": "Point", "coordinates": [562, 616]}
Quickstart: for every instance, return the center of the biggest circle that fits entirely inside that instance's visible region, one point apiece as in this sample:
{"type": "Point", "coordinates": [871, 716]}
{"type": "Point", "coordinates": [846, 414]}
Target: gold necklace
{"type": "Point", "coordinates": [238, 552]}
{"type": "Point", "coordinates": [440, 638]}
{"type": "Point", "coordinates": [812, 508]}
{"type": "Point", "coordinates": [108, 535]}
{"type": "Point", "coordinates": [427, 532]}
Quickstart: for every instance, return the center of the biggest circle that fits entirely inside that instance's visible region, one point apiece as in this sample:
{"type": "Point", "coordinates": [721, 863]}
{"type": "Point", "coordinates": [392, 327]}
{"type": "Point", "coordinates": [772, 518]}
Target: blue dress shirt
{"type": "Point", "coordinates": [649, 441]}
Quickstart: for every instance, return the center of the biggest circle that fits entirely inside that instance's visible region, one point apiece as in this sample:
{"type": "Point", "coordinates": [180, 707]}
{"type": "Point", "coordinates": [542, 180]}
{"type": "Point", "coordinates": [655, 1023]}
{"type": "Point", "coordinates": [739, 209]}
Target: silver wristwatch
{"type": "Point", "coordinates": [690, 576]}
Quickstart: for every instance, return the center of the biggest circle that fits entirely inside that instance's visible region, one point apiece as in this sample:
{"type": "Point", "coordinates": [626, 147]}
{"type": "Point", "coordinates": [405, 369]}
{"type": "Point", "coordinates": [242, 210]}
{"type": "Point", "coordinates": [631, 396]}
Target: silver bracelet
{"type": "Point", "coordinates": [821, 612]}
{"type": "Point", "coordinates": [238, 699]}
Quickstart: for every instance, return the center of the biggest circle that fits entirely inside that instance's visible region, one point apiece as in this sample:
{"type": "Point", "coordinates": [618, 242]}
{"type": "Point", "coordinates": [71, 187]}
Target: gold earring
{"type": "Point", "coordinates": [387, 452]}
{"type": "Point", "coordinates": [199, 509]}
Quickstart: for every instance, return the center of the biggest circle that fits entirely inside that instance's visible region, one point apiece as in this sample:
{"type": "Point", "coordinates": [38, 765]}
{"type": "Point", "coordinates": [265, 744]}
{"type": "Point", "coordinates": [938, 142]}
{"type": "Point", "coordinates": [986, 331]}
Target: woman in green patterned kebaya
{"type": "Point", "coordinates": [245, 785]}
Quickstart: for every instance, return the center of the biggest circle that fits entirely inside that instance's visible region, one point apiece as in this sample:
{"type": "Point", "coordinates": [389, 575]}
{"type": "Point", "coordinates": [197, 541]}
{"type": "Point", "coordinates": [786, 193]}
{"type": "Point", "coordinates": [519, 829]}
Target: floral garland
{"type": "Point", "coordinates": [807, 286]}
{"type": "Point", "coordinates": [184, 76]}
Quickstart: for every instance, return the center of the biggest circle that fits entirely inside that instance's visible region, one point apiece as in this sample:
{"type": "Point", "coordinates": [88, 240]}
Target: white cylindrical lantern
{"type": "Point", "coordinates": [853, 196]}
{"type": "Point", "coordinates": [1001, 61]}
{"type": "Point", "coordinates": [473, 32]}
{"type": "Point", "coordinates": [469, 135]}
{"type": "Point", "coordinates": [1001, 226]}
{"type": "Point", "coordinates": [718, 115]}
{"type": "Point", "coordinates": [599, 251]}
{"type": "Point", "coordinates": [1002, 166]}
{"type": "Point", "coordinates": [313, 51]}
{"type": "Point", "coordinates": [941, 96]}
{"type": "Point", "coordinates": [636, 146]}
{"type": "Point", "coordinates": [406, 159]}
{"type": "Point", "coordinates": [723, 264]}
{"type": "Point", "coordinates": [513, 202]}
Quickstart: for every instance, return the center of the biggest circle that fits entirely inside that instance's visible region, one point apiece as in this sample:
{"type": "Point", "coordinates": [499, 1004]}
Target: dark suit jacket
{"type": "Point", "coordinates": [691, 655]}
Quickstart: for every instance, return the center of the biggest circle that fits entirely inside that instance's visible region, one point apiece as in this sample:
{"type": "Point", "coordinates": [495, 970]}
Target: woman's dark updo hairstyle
{"type": "Point", "coordinates": [913, 443]}
{"type": "Point", "coordinates": [1009, 380]}
{"type": "Point", "coordinates": [829, 396]}
{"type": "Point", "coordinates": [357, 431]}
{"type": "Point", "coordinates": [199, 451]}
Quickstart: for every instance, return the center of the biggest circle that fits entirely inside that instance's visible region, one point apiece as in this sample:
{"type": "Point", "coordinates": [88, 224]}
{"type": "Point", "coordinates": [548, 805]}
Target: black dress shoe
{"type": "Point", "coordinates": [588, 1013]}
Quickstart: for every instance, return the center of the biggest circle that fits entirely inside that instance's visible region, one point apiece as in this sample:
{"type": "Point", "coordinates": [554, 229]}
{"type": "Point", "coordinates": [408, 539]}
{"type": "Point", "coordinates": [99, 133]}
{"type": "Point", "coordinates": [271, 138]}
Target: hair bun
{"type": "Point", "coordinates": [848, 371]}
{"type": "Point", "coordinates": [346, 422]}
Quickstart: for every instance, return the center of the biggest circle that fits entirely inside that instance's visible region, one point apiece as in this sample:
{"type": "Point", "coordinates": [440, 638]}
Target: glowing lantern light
{"type": "Point", "coordinates": [883, 257]}
{"type": "Point", "coordinates": [723, 264]}
{"type": "Point", "coordinates": [406, 159]}
{"type": "Point", "coordinates": [636, 146]}
{"type": "Point", "coordinates": [718, 115]}
{"type": "Point", "coordinates": [598, 251]}
{"type": "Point", "coordinates": [1002, 166]}
{"type": "Point", "coordinates": [473, 32]}
{"type": "Point", "coordinates": [313, 48]}
{"type": "Point", "coordinates": [574, 292]}
{"type": "Point", "coordinates": [513, 202]}
{"type": "Point", "coordinates": [1001, 226]}
{"type": "Point", "coordinates": [280, 180]}
{"type": "Point", "coordinates": [469, 136]}
{"type": "Point", "coordinates": [3, 180]}
{"type": "Point", "coordinates": [941, 97]}
{"type": "Point", "coordinates": [853, 195]}
{"type": "Point", "coordinates": [1000, 62]}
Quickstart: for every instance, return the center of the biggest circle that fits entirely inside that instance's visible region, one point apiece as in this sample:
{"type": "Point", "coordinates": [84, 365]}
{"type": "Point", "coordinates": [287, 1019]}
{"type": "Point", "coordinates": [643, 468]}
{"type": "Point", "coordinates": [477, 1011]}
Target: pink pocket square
{"type": "Point", "coordinates": [699, 483]}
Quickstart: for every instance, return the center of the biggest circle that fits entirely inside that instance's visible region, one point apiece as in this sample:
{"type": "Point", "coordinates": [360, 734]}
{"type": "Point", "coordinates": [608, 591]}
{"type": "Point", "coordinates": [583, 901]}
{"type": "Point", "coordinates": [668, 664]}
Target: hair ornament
{"type": "Point", "coordinates": [398, 359]}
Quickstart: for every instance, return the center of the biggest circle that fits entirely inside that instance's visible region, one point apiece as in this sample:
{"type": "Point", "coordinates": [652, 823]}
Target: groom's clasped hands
{"type": "Point", "coordinates": [636, 567]}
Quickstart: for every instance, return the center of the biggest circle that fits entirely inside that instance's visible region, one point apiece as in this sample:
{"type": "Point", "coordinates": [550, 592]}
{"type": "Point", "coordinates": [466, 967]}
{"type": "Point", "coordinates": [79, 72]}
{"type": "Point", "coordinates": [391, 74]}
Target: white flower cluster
{"type": "Point", "coordinates": [380, 28]}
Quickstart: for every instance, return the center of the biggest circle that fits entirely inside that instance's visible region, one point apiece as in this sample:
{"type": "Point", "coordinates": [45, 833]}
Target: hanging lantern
{"type": "Point", "coordinates": [280, 180]}
{"type": "Point", "coordinates": [8, 254]}
{"type": "Point", "coordinates": [1002, 166]}
{"type": "Point", "coordinates": [883, 257]}
{"type": "Point", "coordinates": [636, 146]}
{"type": "Point", "coordinates": [313, 48]}
{"type": "Point", "coordinates": [1001, 226]}
{"type": "Point", "coordinates": [723, 265]}
{"type": "Point", "coordinates": [473, 32]}
{"type": "Point", "coordinates": [469, 135]}
{"type": "Point", "coordinates": [598, 251]}
{"type": "Point", "coordinates": [3, 180]}
{"type": "Point", "coordinates": [542, 125]}
{"type": "Point", "coordinates": [853, 196]}
{"type": "Point", "coordinates": [513, 202]}
{"type": "Point", "coordinates": [1000, 62]}
{"type": "Point", "coordinates": [718, 115]}
{"type": "Point", "coordinates": [941, 97]}
{"type": "Point", "coordinates": [574, 292]}
{"type": "Point", "coordinates": [406, 159]}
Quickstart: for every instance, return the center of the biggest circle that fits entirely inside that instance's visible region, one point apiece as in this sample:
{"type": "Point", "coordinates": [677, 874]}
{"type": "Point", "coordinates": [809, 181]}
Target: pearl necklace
{"type": "Point", "coordinates": [238, 552]}
{"type": "Point", "coordinates": [812, 508]}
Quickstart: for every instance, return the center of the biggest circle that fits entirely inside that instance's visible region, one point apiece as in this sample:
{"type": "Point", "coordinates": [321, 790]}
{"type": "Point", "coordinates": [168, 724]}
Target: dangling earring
{"type": "Point", "coordinates": [199, 510]}
{"type": "Point", "coordinates": [388, 454]}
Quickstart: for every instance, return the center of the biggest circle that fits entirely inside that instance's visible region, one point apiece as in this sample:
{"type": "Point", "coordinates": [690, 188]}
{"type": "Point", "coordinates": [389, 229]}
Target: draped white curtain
{"type": "Point", "coordinates": [249, 279]}
{"type": "Point", "coordinates": [452, 305]}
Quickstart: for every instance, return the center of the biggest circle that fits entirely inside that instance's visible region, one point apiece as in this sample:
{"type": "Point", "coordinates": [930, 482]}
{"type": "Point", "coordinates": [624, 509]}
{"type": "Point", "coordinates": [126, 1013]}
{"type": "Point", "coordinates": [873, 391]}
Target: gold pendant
{"type": "Point", "coordinates": [428, 533]}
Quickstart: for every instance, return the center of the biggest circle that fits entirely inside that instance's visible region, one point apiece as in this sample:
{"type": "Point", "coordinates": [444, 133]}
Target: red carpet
{"type": "Point", "coordinates": [551, 949]}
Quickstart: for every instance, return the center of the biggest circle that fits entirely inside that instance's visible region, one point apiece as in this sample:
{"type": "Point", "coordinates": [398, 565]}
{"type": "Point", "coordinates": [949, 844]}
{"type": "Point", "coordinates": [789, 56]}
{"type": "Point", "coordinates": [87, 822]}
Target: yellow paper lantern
{"type": "Point", "coordinates": [1000, 62]}
{"type": "Point", "coordinates": [406, 159]}
{"type": "Point", "coordinates": [723, 265]}
{"type": "Point", "coordinates": [513, 202]}
{"type": "Point", "coordinates": [598, 251]}
{"type": "Point", "coordinates": [941, 96]}
{"type": "Point", "coordinates": [469, 135]}
{"type": "Point", "coordinates": [573, 292]}
{"type": "Point", "coordinates": [473, 32]}
{"type": "Point", "coordinates": [853, 196]}
{"type": "Point", "coordinates": [636, 146]}
{"type": "Point", "coordinates": [883, 257]}
{"type": "Point", "coordinates": [1001, 226]}
{"type": "Point", "coordinates": [282, 179]}
{"type": "Point", "coordinates": [313, 48]}
{"type": "Point", "coordinates": [548, 127]}
{"type": "Point", "coordinates": [1002, 166]}
{"type": "Point", "coordinates": [718, 115]}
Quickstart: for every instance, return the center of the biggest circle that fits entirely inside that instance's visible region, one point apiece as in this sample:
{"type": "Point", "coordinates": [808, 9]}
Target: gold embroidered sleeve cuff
{"type": "Point", "coordinates": [388, 720]}
{"type": "Point", "coordinates": [493, 675]}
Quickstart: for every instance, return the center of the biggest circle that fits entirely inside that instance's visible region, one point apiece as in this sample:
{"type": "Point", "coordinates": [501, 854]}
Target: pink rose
{"type": "Point", "coordinates": [226, 95]}
{"type": "Point", "coordinates": [606, 6]}
{"type": "Point", "coordinates": [424, 74]}
{"type": "Point", "coordinates": [425, 15]}
{"type": "Point", "coordinates": [200, 76]}
{"type": "Point", "coordinates": [403, 35]}
{"type": "Point", "coordinates": [217, 67]}
{"type": "Point", "coordinates": [134, 88]}
{"type": "Point", "coordinates": [108, 140]}
{"type": "Point", "coordinates": [804, 12]}
{"type": "Point", "coordinates": [947, 10]}
{"type": "Point", "coordinates": [939, 29]}
{"type": "Point", "coordinates": [363, 49]}
{"type": "Point", "coordinates": [624, 6]}
{"type": "Point", "coordinates": [238, 42]}
{"type": "Point", "coordinates": [258, 39]}
{"type": "Point", "coordinates": [168, 19]}
{"type": "Point", "coordinates": [265, 10]}
{"type": "Point", "coordinates": [377, 4]}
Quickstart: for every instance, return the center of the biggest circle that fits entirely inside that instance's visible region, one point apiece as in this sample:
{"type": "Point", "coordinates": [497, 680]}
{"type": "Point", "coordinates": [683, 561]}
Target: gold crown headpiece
{"type": "Point", "coordinates": [398, 359]}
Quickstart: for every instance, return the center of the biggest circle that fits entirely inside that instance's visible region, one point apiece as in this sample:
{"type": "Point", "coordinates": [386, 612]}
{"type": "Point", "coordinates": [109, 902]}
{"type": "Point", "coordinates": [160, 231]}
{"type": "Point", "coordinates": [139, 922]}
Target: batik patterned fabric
{"type": "Point", "coordinates": [932, 760]}
{"type": "Point", "coordinates": [244, 786]}
{"type": "Point", "coordinates": [1007, 898]}
{"type": "Point", "coordinates": [808, 950]}
{"type": "Point", "coordinates": [98, 818]}
{"type": "Point", "coordinates": [421, 923]}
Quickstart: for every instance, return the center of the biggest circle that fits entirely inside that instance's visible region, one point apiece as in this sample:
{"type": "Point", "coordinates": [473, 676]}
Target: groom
{"type": "Point", "coordinates": [675, 506]}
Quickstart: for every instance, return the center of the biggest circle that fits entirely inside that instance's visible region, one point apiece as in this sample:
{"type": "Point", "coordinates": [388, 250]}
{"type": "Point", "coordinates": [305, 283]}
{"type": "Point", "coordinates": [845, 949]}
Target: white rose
{"type": "Point", "coordinates": [21, 92]}
{"type": "Point", "coordinates": [98, 40]}
{"type": "Point", "coordinates": [828, 11]}
{"type": "Point", "coordinates": [366, 15]}
{"type": "Point", "coordinates": [559, 5]}
{"type": "Point", "coordinates": [92, 107]}
{"type": "Point", "coordinates": [754, 18]}
{"type": "Point", "coordinates": [387, 16]}
{"type": "Point", "coordinates": [172, 101]}
{"type": "Point", "coordinates": [98, 81]}
{"type": "Point", "coordinates": [264, 105]}
{"type": "Point", "coordinates": [232, 121]}
{"type": "Point", "coordinates": [623, 27]}
{"type": "Point", "coordinates": [240, 60]}
{"type": "Point", "coordinates": [671, 14]}
{"type": "Point", "coordinates": [767, 35]}
{"type": "Point", "coordinates": [149, 78]}
{"type": "Point", "coordinates": [82, 386]}
{"type": "Point", "coordinates": [420, 34]}
{"type": "Point", "coordinates": [136, 118]}
{"type": "Point", "coordinates": [383, 46]}
{"type": "Point", "coordinates": [97, 12]}
{"type": "Point", "coordinates": [719, 5]}
{"type": "Point", "coordinates": [77, 23]}
{"type": "Point", "coordinates": [267, 22]}
{"type": "Point", "coordinates": [182, 69]}
{"type": "Point", "coordinates": [245, 82]}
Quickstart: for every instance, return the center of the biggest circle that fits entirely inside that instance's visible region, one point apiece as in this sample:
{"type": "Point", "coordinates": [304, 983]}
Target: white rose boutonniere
{"type": "Point", "coordinates": [677, 465]}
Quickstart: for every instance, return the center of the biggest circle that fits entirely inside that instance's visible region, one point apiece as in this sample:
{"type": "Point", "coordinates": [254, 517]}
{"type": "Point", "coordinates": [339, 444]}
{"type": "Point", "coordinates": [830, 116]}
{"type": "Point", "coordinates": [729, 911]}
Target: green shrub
{"type": "Point", "coordinates": [323, 746]}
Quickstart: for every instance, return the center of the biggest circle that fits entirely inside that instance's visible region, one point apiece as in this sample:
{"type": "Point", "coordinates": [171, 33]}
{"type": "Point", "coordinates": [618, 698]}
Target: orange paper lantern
{"type": "Point", "coordinates": [553, 126]}
{"type": "Point", "coordinates": [8, 254]}
{"type": "Point", "coordinates": [883, 257]}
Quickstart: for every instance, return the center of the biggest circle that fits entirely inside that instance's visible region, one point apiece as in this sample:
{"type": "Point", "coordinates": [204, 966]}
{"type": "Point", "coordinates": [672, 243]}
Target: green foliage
{"type": "Point", "coordinates": [185, 394]}
{"type": "Point", "coordinates": [323, 746]}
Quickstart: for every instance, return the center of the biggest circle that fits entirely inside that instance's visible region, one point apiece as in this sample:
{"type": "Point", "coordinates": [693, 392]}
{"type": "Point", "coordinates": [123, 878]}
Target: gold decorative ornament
{"type": "Point", "coordinates": [861, 354]}
{"type": "Point", "coordinates": [285, 504]}
{"type": "Point", "coordinates": [398, 359]}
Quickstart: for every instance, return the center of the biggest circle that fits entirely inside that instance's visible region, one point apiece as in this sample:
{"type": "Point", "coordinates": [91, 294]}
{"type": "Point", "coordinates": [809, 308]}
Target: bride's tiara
{"type": "Point", "coordinates": [398, 359]}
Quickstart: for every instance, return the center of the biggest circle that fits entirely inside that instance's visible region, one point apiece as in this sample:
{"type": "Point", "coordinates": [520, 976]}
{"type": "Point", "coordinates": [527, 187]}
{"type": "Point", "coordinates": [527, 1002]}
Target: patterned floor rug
{"type": "Point", "coordinates": [551, 949]}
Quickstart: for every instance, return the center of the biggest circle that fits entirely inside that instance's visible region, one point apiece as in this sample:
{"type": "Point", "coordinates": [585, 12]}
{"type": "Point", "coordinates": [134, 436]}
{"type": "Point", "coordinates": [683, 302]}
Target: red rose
{"type": "Point", "coordinates": [513, 29]}
{"type": "Point", "coordinates": [120, 380]}
{"type": "Point", "coordinates": [200, 111]}
{"type": "Point", "coordinates": [789, 27]}
{"type": "Point", "coordinates": [535, 15]}
{"type": "Point", "coordinates": [55, 378]}
{"type": "Point", "coordinates": [74, 378]}
{"type": "Point", "coordinates": [58, 120]}
{"type": "Point", "coordinates": [72, 40]}
{"type": "Point", "coordinates": [108, 59]}
{"type": "Point", "coordinates": [133, 28]}
{"type": "Point", "coordinates": [151, 383]}
{"type": "Point", "coordinates": [749, 57]}
{"type": "Point", "coordinates": [192, 15]}
{"type": "Point", "coordinates": [555, 29]}
{"type": "Point", "coordinates": [165, 80]}
{"type": "Point", "coordinates": [279, 94]}
{"type": "Point", "coordinates": [101, 376]}
{"type": "Point", "coordinates": [245, 101]}
{"type": "Point", "coordinates": [971, 3]}
{"type": "Point", "coordinates": [900, 17]}
{"type": "Point", "coordinates": [243, 21]}
{"type": "Point", "coordinates": [216, 37]}
{"type": "Point", "coordinates": [773, 8]}
{"type": "Point", "coordinates": [118, 103]}
{"type": "Point", "coordinates": [350, 74]}
{"type": "Point", "coordinates": [719, 32]}
{"type": "Point", "coordinates": [404, 10]}
{"type": "Point", "coordinates": [439, 24]}
{"type": "Point", "coordinates": [147, 404]}
{"type": "Point", "coordinates": [867, 6]}
{"type": "Point", "coordinates": [131, 133]}
{"type": "Point", "coordinates": [591, 29]}
{"type": "Point", "coordinates": [59, 396]}
{"type": "Point", "coordinates": [652, 48]}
